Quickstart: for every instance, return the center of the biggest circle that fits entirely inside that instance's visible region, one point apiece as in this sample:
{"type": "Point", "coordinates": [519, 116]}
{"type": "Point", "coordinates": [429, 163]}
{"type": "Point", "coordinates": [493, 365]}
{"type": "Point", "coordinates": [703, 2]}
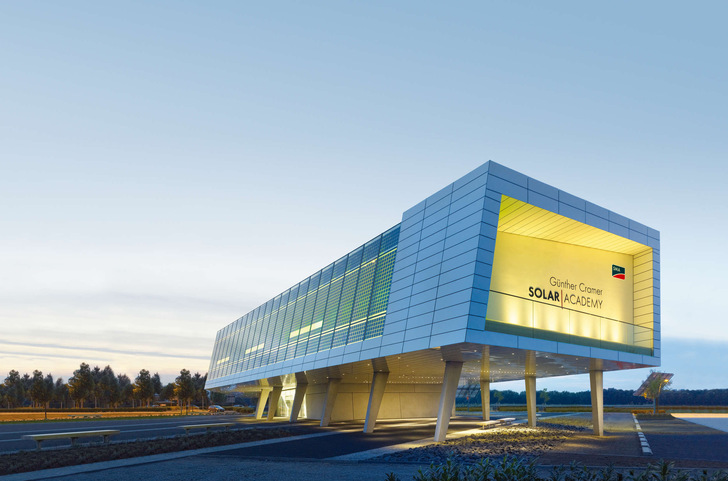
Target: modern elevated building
{"type": "Point", "coordinates": [496, 277]}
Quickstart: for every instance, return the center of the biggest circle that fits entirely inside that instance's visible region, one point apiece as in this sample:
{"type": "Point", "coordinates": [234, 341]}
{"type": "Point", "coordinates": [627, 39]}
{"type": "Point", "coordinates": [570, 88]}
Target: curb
{"type": "Point", "coordinates": [646, 450]}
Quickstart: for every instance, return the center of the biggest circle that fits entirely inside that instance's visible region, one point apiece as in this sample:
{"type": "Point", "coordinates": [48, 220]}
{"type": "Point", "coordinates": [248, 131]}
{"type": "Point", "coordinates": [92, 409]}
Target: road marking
{"type": "Point", "coordinates": [646, 450]}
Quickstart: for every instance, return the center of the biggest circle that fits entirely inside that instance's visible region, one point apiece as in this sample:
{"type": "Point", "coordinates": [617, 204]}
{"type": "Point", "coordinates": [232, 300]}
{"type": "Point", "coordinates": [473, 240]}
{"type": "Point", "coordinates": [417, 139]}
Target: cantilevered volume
{"type": "Point", "coordinates": [496, 277]}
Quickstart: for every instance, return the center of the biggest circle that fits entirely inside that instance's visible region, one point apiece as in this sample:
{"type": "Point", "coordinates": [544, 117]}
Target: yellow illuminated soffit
{"type": "Point", "coordinates": [517, 217]}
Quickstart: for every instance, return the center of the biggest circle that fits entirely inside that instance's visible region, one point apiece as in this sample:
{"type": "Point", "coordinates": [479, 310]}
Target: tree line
{"type": "Point", "coordinates": [100, 388]}
{"type": "Point", "coordinates": [612, 396]}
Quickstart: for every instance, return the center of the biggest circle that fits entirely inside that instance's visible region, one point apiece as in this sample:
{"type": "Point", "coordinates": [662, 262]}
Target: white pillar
{"type": "Point", "coordinates": [453, 369]}
{"type": "Point", "coordinates": [531, 400]}
{"type": "Point", "coordinates": [485, 399]}
{"type": "Point", "coordinates": [273, 401]}
{"type": "Point", "coordinates": [485, 383]}
{"type": "Point", "coordinates": [261, 403]}
{"type": "Point", "coordinates": [332, 389]}
{"type": "Point", "coordinates": [298, 401]}
{"type": "Point", "coordinates": [379, 382]}
{"type": "Point", "coordinates": [596, 379]}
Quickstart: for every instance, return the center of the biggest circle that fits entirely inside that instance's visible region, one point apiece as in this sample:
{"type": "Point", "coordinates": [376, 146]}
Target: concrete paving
{"type": "Point", "coordinates": [717, 421]}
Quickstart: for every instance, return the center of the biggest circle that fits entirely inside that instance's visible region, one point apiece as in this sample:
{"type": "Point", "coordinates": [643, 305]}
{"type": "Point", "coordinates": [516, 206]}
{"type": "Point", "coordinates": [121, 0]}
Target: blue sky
{"type": "Point", "coordinates": [168, 166]}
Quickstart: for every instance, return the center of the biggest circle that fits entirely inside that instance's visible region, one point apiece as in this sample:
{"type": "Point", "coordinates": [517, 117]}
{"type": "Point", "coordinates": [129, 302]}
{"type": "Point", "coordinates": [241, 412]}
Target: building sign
{"type": "Point", "coordinates": [558, 276]}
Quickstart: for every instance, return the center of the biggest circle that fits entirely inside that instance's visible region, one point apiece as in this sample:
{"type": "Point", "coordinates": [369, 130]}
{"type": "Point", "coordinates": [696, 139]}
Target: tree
{"type": "Point", "coordinates": [108, 388]}
{"type": "Point", "coordinates": [27, 382]}
{"type": "Point", "coordinates": [126, 388]}
{"type": "Point", "coordinates": [471, 387]}
{"type": "Point", "coordinates": [81, 384]}
{"type": "Point", "coordinates": [39, 392]}
{"type": "Point", "coordinates": [167, 392]}
{"type": "Point", "coordinates": [654, 388]}
{"type": "Point", "coordinates": [544, 395]}
{"type": "Point", "coordinates": [217, 397]}
{"type": "Point", "coordinates": [97, 390]}
{"type": "Point", "coordinates": [198, 382]}
{"type": "Point", "coordinates": [184, 389]}
{"type": "Point", "coordinates": [50, 388]}
{"type": "Point", "coordinates": [14, 389]}
{"type": "Point", "coordinates": [143, 387]}
{"type": "Point", "coordinates": [499, 396]}
{"type": "Point", "coordinates": [61, 394]}
{"type": "Point", "coordinates": [156, 383]}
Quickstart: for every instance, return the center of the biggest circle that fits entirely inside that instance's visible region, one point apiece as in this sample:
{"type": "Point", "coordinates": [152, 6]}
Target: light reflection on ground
{"type": "Point", "coordinates": [712, 420]}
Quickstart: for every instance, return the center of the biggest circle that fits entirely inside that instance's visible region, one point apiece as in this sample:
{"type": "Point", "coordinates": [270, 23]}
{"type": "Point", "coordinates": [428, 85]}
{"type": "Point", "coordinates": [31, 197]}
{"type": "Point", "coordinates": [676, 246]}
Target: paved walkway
{"type": "Point", "coordinates": [717, 421]}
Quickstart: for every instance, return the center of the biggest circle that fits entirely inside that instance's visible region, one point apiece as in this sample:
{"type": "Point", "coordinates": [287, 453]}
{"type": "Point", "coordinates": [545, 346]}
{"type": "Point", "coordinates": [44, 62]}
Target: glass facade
{"type": "Point", "coordinates": [343, 303]}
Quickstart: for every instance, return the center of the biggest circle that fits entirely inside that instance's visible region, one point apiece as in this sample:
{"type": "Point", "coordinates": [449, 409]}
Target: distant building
{"type": "Point", "coordinates": [496, 277]}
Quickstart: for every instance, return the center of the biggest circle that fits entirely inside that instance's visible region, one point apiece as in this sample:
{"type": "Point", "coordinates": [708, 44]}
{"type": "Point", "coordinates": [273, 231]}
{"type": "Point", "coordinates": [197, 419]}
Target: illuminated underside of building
{"type": "Point", "coordinates": [496, 277]}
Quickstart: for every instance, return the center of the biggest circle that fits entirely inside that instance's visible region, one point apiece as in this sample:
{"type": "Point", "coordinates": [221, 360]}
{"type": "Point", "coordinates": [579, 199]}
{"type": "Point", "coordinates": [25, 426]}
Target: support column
{"type": "Point", "coordinates": [301, 386]}
{"type": "Point", "coordinates": [261, 403]}
{"type": "Point", "coordinates": [485, 383]}
{"type": "Point", "coordinates": [332, 389]}
{"type": "Point", "coordinates": [596, 379]}
{"type": "Point", "coordinates": [453, 369]}
{"type": "Point", "coordinates": [379, 382]}
{"type": "Point", "coordinates": [485, 399]}
{"type": "Point", "coordinates": [531, 400]}
{"type": "Point", "coordinates": [275, 396]}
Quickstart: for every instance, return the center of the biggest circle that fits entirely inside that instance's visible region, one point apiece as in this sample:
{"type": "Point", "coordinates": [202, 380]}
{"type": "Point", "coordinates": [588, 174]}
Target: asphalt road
{"type": "Point", "coordinates": [678, 439]}
{"type": "Point", "coordinates": [10, 434]}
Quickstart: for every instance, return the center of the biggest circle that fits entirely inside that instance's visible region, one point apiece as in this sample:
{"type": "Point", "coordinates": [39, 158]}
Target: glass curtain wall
{"type": "Point", "coordinates": [343, 303]}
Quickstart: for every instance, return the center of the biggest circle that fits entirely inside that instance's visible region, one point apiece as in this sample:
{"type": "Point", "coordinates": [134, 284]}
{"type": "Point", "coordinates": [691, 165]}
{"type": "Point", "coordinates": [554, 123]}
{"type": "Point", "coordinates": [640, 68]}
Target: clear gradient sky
{"type": "Point", "coordinates": [166, 167]}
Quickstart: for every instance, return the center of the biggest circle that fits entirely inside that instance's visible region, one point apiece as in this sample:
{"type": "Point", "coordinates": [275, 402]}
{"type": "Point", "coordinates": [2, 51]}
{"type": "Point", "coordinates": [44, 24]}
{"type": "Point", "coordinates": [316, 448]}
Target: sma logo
{"type": "Point", "coordinates": [618, 272]}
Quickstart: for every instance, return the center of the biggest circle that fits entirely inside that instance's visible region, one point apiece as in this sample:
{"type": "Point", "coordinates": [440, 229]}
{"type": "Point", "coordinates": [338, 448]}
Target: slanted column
{"type": "Point", "coordinates": [275, 396]}
{"type": "Point", "coordinates": [531, 400]}
{"type": "Point", "coordinates": [453, 369]}
{"type": "Point", "coordinates": [596, 379]}
{"type": "Point", "coordinates": [261, 403]}
{"type": "Point", "coordinates": [485, 383]}
{"type": "Point", "coordinates": [332, 389]}
{"type": "Point", "coordinates": [485, 399]}
{"type": "Point", "coordinates": [301, 387]}
{"type": "Point", "coordinates": [379, 382]}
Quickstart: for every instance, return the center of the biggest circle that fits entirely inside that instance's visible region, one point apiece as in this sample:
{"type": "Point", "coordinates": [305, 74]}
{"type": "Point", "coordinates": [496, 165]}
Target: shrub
{"type": "Point", "coordinates": [516, 469]}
